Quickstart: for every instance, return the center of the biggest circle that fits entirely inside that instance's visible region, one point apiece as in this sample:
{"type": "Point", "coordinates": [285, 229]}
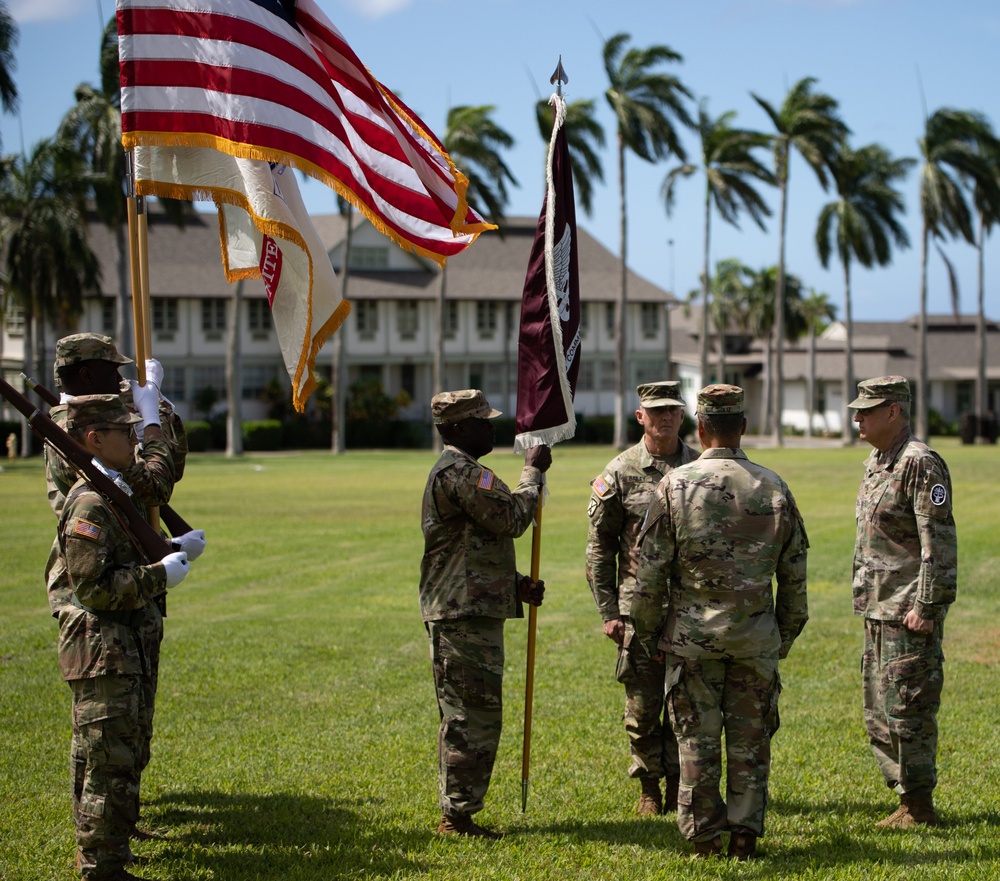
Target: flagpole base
{"type": "Point", "coordinates": [524, 796]}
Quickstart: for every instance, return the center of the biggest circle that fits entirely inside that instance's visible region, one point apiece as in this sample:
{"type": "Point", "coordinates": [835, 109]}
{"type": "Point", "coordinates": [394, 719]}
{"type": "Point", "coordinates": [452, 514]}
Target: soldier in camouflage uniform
{"type": "Point", "coordinates": [905, 573]}
{"type": "Point", "coordinates": [617, 507]}
{"type": "Point", "coordinates": [716, 533]}
{"type": "Point", "coordinates": [468, 588]}
{"type": "Point", "coordinates": [89, 363]}
{"type": "Point", "coordinates": [101, 650]}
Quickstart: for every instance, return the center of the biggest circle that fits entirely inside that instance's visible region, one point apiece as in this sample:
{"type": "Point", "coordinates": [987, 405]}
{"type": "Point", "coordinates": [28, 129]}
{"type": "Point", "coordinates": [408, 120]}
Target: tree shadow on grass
{"type": "Point", "coordinates": [277, 835]}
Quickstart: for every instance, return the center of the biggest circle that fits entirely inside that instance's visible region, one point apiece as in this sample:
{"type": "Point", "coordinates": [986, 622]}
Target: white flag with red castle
{"type": "Point", "coordinates": [266, 233]}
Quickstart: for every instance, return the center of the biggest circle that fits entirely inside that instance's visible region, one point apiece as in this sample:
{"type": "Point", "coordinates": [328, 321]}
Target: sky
{"type": "Point", "coordinates": [889, 63]}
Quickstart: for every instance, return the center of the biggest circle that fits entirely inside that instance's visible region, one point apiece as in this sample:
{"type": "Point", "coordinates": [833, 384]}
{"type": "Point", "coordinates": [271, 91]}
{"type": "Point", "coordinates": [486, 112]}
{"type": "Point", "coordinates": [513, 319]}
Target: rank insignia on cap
{"type": "Point", "coordinates": [87, 530]}
{"type": "Point", "coordinates": [939, 495]}
{"type": "Point", "coordinates": [485, 480]}
{"type": "Point", "coordinates": [601, 487]}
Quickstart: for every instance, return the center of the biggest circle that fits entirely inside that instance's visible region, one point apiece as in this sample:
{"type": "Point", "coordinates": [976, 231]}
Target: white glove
{"type": "Point", "coordinates": [192, 543]}
{"type": "Point", "coordinates": [177, 567]}
{"type": "Point", "coordinates": [146, 399]}
{"type": "Point", "coordinates": [154, 373]}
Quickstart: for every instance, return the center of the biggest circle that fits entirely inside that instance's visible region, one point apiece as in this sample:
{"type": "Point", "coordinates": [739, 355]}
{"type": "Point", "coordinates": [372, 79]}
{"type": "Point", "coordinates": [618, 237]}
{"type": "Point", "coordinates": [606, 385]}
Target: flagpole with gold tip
{"type": "Point", "coordinates": [557, 79]}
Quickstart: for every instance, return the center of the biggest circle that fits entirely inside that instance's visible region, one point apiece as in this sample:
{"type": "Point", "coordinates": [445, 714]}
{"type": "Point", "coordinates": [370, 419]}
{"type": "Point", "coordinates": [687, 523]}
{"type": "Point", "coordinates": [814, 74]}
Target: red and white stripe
{"type": "Point", "coordinates": [237, 77]}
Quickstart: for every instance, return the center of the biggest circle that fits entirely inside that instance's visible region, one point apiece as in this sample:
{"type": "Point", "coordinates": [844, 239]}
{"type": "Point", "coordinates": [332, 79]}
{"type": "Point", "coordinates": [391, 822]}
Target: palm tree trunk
{"type": "Point", "coordinates": [621, 318]}
{"type": "Point", "coordinates": [765, 409]}
{"type": "Point", "coordinates": [234, 372]}
{"type": "Point", "coordinates": [811, 381]}
{"type": "Point", "coordinates": [922, 344]}
{"type": "Point", "coordinates": [848, 433]}
{"type": "Point", "coordinates": [338, 375]}
{"type": "Point", "coordinates": [779, 312]}
{"type": "Point", "coordinates": [705, 291]}
{"type": "Point", "coordinates": [982, 405]}
{"type": "Point", "coordinates": [438, 377]}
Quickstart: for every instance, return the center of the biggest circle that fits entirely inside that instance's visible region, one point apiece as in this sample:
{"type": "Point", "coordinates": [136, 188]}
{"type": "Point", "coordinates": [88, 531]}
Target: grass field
{"type": "Point", "coordinates": [296, 720]}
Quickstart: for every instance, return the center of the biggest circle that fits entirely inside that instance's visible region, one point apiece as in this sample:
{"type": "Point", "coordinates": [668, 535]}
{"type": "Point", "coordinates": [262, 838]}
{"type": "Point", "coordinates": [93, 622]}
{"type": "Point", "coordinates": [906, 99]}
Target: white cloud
{"type": "Point", "coordinates": [24, 11]}
{"type": "Point", "coordinates": [378, 8]}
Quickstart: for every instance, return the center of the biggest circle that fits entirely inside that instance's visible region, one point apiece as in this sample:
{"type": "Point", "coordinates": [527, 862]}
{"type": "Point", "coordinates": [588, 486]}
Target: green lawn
{"type": "Point", "coordinates": [296, 721]}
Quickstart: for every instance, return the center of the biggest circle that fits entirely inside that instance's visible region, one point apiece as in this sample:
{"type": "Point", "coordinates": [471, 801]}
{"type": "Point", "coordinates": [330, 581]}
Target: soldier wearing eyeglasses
{"type": "Point", "coordinates": [103, 650]}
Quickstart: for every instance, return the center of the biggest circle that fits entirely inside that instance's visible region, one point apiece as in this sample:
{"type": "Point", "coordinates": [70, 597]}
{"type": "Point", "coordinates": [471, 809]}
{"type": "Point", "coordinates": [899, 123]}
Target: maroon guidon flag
{"type": "Point", "coordinates": [548, 354]}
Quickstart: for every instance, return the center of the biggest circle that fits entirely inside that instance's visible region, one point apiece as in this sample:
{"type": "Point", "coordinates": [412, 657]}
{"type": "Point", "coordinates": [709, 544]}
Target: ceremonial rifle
{"type": "Point", "coordinates": [174, 522]}
{"type": "Point", "coordinates": [152, 543]}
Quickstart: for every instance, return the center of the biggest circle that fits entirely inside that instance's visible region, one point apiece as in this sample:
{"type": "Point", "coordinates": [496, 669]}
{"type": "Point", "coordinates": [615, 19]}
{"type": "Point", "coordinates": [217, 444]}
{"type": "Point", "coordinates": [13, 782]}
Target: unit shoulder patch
{"type": "Point", "coordinates": [939, 495]}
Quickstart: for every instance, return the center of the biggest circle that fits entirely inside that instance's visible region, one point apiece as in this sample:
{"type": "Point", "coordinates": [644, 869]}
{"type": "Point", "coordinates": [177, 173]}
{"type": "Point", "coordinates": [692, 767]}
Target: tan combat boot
{"type": "Point", "coordinates": [915, 809]}
{"type": "Point", "coordinates": [463, 825]}
{"type": "Point", "coordinates": [651, 800]}
{"type": "Point", "coordinates": [742, 844]}
{"type": "Point", "coordinates": [707, 849]}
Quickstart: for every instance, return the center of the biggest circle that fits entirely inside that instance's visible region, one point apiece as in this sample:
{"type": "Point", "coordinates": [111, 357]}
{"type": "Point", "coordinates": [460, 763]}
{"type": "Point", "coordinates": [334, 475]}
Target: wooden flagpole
{"type": "Point", "coordinates": [529, 678]}
{"type": "Point", "coordinates": [557, 79]}
{"type": "Point", "coordinates": [139, 266]}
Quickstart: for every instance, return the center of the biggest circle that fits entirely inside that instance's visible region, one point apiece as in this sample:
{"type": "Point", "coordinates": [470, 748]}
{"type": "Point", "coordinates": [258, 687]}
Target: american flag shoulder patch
{"type": "Point", "coordinates": [601, 487]}
{"type": "Point", "coordinates": [485, 480]}
{"type": "Point", "coordinates": [87, 529]}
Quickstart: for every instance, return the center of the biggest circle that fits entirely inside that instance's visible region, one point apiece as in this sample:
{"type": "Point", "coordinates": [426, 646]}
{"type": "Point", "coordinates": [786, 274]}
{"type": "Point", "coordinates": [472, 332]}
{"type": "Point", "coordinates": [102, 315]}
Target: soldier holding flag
{"type": "Point", "coordinates": [468, 588]}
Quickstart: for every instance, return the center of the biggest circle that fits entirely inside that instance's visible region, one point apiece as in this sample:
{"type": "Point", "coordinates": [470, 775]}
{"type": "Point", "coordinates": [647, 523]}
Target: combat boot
{"type": "Point", "coordinates": [651, 800]}
{"type": "Point", "coordinates": [463, 825]}
{"type": "Point", "coordinates": [915, 809]}
{"type": "Point", "coordinates": [742, 844]}
{"type": "Point", "coordinates": [704, 850]}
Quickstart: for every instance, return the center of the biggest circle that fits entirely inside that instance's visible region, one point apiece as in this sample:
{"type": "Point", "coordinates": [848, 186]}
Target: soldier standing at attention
{"type": "Point", "coordinates": [617, 507]}
{"type": "Point", "coordinates": [905, 572]}
{"type": "Point", "coordinates": [468, 588]}
{"type": "Point", "coordinates": [716, 533]}
{"type": "Point", "coordinates": [112, 589]}
{"type": "Point", "coordinates": [88, 364]}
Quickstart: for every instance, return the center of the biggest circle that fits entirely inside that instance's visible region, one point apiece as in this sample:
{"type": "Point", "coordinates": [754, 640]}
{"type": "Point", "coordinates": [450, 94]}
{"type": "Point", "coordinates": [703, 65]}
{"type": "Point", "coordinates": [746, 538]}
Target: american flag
{"type": "Point", "coordinates": [275, 80]}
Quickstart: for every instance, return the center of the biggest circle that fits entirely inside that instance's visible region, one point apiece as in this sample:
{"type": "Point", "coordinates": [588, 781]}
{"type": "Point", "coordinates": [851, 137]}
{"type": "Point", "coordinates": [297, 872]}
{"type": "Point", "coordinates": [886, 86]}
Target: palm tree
{"type": "Point", "coordinates": [986, 198]}
{"type": "Point", "coordinates": [862, 223]}
{"type": "Point", "coordinates": [8, 62]}
{"type": "Point", "coordinates": [474, 141]}
{"type": "Point", "coordinates": [727, 304]}
{"type": "Point", "coordinates": [951, 160]}
{"type": "Point", "coordinates": [584, 136]}
{"type": "Point", "coordinates": [645, 102]}
{"type": "Point", "coordinates": [730, 167]}
{"type": "Point", "coordinates": [817, 312]}
{"type": "Point", "coordinates": [48, 263]}
{"type": "Point", "coordinates": [760, 319]}
{"type": "Point", "coordinates": [807, 122]}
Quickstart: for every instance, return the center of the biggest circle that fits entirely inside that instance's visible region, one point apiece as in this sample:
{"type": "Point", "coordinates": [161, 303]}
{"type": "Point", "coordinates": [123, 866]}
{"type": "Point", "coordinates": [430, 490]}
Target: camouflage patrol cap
{"type": "Point", "coordinates": [85, 410]}
{"type": "Point", "coordinates": [470, 403]}
{"type": "Point", "coordinates": [87, 347]}
{"type": "Point", "coordinates": [720, 399]}
{"type": "Point", "coordinates": [881, 390]}
{"type": "Point", "coordinates": [660, 394]}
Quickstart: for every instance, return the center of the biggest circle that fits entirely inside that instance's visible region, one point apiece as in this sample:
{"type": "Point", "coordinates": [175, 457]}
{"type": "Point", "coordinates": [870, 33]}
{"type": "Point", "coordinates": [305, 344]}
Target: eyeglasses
{"type": "Point", "coordinates": [127, 428]}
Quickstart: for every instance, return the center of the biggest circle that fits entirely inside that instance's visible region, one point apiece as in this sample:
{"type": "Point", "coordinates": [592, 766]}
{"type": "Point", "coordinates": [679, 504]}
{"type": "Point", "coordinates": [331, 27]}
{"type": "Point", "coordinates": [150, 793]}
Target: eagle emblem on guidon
{"type": "Point", "coordinates": [939, 495]}
{"type": "Point", "coordinates": [560, 272]}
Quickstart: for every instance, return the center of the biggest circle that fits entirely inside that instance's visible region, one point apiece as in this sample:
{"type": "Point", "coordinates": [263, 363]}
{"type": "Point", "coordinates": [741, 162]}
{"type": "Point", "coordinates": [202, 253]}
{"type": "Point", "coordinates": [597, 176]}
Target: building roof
{"type": "Point", "coordinates": [187, 263]}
